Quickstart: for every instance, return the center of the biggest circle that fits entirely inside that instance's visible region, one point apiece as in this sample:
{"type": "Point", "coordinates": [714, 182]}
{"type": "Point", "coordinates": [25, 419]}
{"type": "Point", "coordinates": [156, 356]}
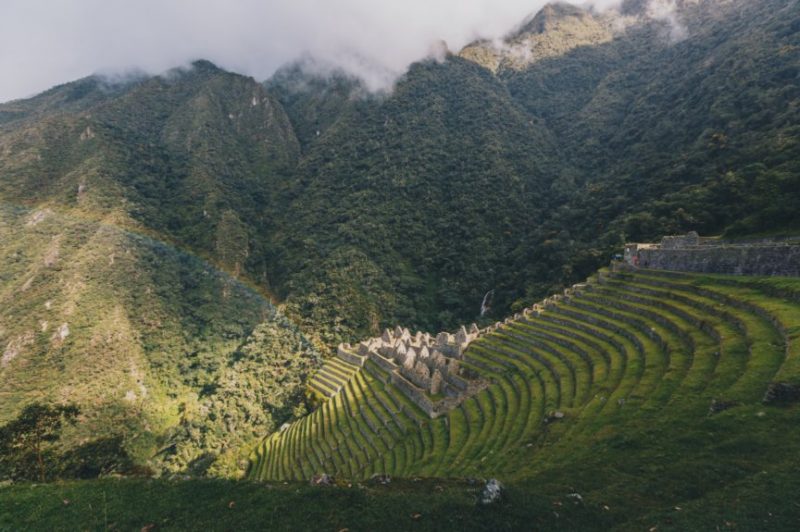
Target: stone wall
{"type": "Point", "coordinates": [680, 241]}
{"type": "Point", "coordinates": [349, 357]}
{"type": "Point", "coordinates": [737, 260]}
{"type": "Point", "coordinates": [692, 253]}
{"type": "Point", "coordinates": [416, 395]}
{"type": "Point", "coordinates": [420, 365]}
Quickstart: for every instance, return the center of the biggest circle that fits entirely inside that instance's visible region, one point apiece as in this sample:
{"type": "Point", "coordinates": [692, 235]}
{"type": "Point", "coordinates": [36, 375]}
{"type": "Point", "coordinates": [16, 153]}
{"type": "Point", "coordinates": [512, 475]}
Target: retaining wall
{"type": "Point", "coordinates": [783, 260]}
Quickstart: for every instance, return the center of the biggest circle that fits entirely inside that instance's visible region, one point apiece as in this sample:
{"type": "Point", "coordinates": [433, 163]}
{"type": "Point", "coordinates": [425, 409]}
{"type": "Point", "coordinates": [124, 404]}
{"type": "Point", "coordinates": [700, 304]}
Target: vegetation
{"type": "Point", "coordinates": [262, 386]}
{"type": "Point", "coordinates": [692, 445]}
{"type": "Point", "coordinates": [360, 210]}
{"type": "Point", "coordinates": [757, 501]}
{"type": "Point", "coordinates": [26, 442]}
{"type": "Point", "coordinates": [467, 177]}
{"type": "Point", "coordinates": [179, 251]}
{"type": "Point", "coordinates": [659, 380]}
{"type": "Point", "coordinates": [171, 361]}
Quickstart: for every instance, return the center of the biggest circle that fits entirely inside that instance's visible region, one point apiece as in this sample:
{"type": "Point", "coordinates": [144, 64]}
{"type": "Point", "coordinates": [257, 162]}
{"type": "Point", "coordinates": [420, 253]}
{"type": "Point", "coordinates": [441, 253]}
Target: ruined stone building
{"type": "Point", "coordinates": [426, 368]}
{"type": "Point", "coordinates": [693, 253]}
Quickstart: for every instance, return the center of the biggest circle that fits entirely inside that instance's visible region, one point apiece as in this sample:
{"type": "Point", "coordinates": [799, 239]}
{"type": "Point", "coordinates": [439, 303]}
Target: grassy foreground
{"type": "Point", "coordinates": [693, 445]}
{"type": "Point", "coordinates": [759, 502]}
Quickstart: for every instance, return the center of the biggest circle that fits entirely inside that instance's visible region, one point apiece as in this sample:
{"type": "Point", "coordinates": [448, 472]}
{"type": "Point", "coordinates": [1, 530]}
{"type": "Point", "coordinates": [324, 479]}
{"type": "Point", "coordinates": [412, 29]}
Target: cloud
{"type": "Point", "coordinates": [667, 11]}
{"type": "Point", "coordinates": [46, 42]}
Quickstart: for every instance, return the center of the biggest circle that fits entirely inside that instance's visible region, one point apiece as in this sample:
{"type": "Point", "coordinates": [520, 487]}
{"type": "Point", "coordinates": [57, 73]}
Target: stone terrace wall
{"type": "Point", "coordinates": [738, 259]}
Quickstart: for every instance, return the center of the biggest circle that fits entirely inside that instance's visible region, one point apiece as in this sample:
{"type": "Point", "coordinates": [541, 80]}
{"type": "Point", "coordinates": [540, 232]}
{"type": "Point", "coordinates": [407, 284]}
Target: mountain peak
{"type": "Point", "coordinates": [555, 30]}
{"type": "Point", "coordinates": [549, 17]}
{"type": "Point", "coordinates": [204, 65]}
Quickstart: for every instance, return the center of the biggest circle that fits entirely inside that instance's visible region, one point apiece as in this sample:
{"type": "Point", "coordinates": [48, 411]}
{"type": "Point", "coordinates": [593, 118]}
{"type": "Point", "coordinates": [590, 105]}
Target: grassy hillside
{"type": "Point", "coordinates": [756, 503]}
{"type": "Point", "coordinates": [649, 387]}
{"type": "Point", "coordinates": [149, 341]}
{"type": "Point", "coordinates": [663, 381]}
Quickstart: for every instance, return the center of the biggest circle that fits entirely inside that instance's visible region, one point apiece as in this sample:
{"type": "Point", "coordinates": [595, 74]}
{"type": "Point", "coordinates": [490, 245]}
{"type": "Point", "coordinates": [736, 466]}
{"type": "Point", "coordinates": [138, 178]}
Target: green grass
{"type": "Point", "coordinates": [633, 351]}
{"type": "Point", "coordinates": [333, 375]}
{"type": "Point", "coordinates": [710, 475]}
{"type": "Point", "coordinates": [634, 365]}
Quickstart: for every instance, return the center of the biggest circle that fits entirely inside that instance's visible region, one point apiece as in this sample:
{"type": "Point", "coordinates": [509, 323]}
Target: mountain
{"type": "Point", "coordinates": [613, 130]}
{"type": "Point", "coordinates": [127, 218]}
{"type": "Point", "coordinates": [554, 31]}
{"type": "Point", "coordinates": [377, 209]}
{"type": "Point", "coordinates": [195, 232]}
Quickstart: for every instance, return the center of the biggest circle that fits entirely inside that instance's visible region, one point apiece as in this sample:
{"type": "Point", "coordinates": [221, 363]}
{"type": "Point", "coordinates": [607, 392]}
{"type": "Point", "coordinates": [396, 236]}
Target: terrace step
{"type": "Point", "coordinates": [623, 349]}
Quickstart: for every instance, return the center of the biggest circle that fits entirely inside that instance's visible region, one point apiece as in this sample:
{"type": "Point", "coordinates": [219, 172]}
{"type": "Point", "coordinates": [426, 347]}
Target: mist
{"type": "Point", "coordinates": [47, 42]}
{"type": "Point", "coordinates": [667, 12]}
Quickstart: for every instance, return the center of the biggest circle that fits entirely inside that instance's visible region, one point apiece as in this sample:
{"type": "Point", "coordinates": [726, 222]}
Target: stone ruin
{"type": "Point", "coordinates": [693, 253]}
{"type": "Point", "coordinates": [420, 365]}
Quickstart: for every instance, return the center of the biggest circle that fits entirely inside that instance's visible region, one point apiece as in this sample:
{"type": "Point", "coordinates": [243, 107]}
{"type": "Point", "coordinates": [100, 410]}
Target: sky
{"type": "Point", "coordinates": [47, 42]}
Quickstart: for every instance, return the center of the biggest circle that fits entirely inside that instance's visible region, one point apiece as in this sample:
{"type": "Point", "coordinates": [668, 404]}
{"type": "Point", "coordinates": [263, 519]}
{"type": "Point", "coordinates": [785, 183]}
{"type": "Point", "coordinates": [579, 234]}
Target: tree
{"type": "Point", "coordinates": [25, 441]}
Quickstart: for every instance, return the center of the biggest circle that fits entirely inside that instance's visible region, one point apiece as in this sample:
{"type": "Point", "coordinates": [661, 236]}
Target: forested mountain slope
{"type": "Point", "coordinates": [129, 214]}
{"type": "Point", "coordinates": [520, 176]}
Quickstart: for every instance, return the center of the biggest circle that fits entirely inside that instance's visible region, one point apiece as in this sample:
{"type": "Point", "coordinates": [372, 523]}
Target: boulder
{"type": "Point", "coordinates": [491, 493]}
{"type": "Point", "coordinates": [321, 480]}
{"type": "Point", "coordinates": [382, 479]}
{"type": "Point", "coordinates": [720, 406]}
{"type": "Point", "coordinates": [782, 393]}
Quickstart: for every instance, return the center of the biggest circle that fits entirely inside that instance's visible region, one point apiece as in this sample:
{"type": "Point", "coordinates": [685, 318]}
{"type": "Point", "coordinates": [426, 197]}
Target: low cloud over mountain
{"type": "Point", "coordinates": [43, 43]}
